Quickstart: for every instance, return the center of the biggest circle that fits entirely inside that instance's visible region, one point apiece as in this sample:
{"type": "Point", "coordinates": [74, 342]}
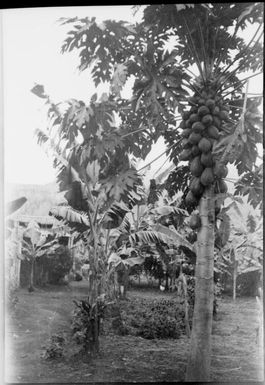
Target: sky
{"type": "Point", "coordinates": [32, 39]}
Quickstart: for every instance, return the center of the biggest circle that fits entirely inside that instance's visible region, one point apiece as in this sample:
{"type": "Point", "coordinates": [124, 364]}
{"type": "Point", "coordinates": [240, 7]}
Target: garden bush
{"type": "Point", "coordinates": [54, 348]}
{"type": "Point", "coordinates": [150, 319]}
{"type": "Point", "coordinates": [83, 322]}
{"type": "Point", "coordinates": [59, 264]}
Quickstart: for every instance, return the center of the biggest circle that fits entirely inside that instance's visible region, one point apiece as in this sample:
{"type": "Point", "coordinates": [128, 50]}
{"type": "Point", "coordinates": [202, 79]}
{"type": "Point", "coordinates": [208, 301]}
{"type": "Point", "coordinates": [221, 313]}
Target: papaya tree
{"type": "Point", "coordinates": [97, 176]}
{"type": "Point", "coordinates": [187, 62]}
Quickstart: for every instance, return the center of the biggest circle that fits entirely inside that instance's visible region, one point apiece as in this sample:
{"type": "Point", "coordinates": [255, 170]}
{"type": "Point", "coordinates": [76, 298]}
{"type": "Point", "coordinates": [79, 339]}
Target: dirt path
{"type": "Point", "coordinates": [236, 356]}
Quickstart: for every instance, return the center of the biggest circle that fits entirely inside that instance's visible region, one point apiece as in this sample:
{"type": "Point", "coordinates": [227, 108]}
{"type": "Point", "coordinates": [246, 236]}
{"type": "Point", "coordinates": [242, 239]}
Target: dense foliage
{"type": "Point", "coordinates": [159, 318]}
{"type": "Point", "coordinates": [218, 124]}
{"type": "Point", "coordinates": [59, 264]}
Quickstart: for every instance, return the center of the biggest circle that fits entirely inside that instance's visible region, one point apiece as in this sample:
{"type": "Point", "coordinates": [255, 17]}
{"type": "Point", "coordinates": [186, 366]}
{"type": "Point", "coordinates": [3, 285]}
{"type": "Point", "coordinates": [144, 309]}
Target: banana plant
{"type": "Point", "coordinates": [238, 250]}
{"type": "Point", "coordinates": [35, 245]}
{"type": "Point", "coordinates": [141, 234]}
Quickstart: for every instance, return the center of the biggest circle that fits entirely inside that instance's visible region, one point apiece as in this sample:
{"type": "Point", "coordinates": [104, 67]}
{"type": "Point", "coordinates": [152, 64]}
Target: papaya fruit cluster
{"type": "Point", "coordinates": [201, 127]}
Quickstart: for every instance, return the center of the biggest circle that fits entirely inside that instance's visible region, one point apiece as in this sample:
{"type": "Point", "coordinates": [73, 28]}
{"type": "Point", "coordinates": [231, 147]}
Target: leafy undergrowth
{"type": "Point", "coordinates": [160, 318]}
{"type": "Point", "coordinates": [236, 356]}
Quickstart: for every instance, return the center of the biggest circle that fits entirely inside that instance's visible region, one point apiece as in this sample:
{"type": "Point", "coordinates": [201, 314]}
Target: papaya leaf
{"type": "Point", "coordinates": [230, 147]}
{"type": "Point", "coordinates": [92, 170]}
{"type": "Point", "coordinates": [223, 232]}
{"type": "Point", "coordinates": [119, 78]}
{"type": "Point", "coordinates": [251, 184]}
{"type": "Point", "coordinates": [38, 90]}
{"type": "Point", "coordinates": [233, 205]}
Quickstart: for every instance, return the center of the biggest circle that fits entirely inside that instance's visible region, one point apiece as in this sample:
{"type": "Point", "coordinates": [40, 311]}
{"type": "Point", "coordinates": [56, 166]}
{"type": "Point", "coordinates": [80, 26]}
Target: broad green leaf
{"type": "Point", "coordinates": [14, 205]}
{"type": "Point", "coordinates": [33, 232]}
{"type": "Point", "coordinates": [134, 261]}
{"type": "Point", "coordinates": [177, 238]}
{"type": "Point", "coordinates": [82, 116]}
{"type": "Point", "coordinates": [119, 78]}
{"type": "Point", "coordinates": [67, 213]}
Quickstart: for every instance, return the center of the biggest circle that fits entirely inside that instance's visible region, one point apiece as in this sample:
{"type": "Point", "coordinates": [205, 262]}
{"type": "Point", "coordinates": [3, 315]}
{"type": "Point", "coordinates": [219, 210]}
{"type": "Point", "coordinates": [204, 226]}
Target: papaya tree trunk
{"type": "Point", "coordinates": [234, 279]}
{"type": "Point", "coordinates": [198, 368]}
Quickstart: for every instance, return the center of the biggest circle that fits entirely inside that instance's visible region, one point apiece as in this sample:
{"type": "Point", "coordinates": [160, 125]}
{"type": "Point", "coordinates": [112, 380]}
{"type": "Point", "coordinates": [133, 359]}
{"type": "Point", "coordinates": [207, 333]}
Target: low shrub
{"type": "Point", "coordinates": [83, 322]}
{"type": "Point", "coordinates": [160, 318]}
{"type": "Point", "coordinates": [54, 348]}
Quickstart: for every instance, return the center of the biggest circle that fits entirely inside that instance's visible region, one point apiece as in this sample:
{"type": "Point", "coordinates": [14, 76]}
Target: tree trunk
{"type": "Point", "coordinates": [31, 277]}
{"type": "Point", "coordinates": [234, 279]}
{"type": "Point", "coordinates": [166, 285]}
{"type": "Point", "coordinates": [198, 368]}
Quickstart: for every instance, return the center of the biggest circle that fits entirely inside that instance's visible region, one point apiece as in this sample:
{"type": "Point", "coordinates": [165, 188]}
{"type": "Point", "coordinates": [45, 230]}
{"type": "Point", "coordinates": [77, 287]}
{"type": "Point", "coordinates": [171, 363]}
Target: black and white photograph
{"type": "Point", "coordinates": [132, 193]}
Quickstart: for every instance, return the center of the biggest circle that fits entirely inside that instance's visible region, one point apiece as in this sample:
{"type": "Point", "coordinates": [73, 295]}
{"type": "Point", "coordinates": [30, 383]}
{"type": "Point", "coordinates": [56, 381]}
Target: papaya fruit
{"type": "Point", "coordinates": [195, 150]}
{"type": "Point", "coordinates": [217, 98]}
{"type": "Point", "coordinates": [195, 222]}
{"type": "Point", "coordinates": [194, 137]}
{"type": "Point", "coordinates": [204, 145]}
{"type": "Point", "coordinates": [220, 171]}
{"type": "Point", "coordinates": [213, 132]}
{"type": "Point", "coordinates": [186, 133]}
{"type": "Point", "coordinates": [201, 102]}
{"type": "Point", "coordinates": [204, 94]}
{"type": "Point", "coordinates": [191, 200]}
{"type": "Point", "coordinates": [207, 176]}
{"type": "Point", "coordinates": [196, 168]}
{"type": "Point", "coordinates": [194, 118]}
{"type": "Point", "coordinates": [203, 110]}
{"type": "Point", "coordinates": [186, 115]}
{"type": "Point", "coordinates": [187, 123]}
{"type": "Point", "coordinates": [220, 187]}
{"type": "Point", "coordinates": [196, 187]}
{"type": "Point", "coordinates": [193, 109]}
{"type": "Point", "coordinates": [185, 155]}
{"type": "Point", "coordinates": [210, 103]}
{"type": "Point", "coordinates": [207, 159]}
{"type": "Point", "coordinates": [197, 127]}
{"type": "Point", "coordinates": [225, 106]}
{"type": "Point", "coordinates": [224, 115]}
{"type": "Point", "coordinates": [211, 140]}
{"type": "Point", "coordinates": [192, 237]}
{"type": "Point", "coordinates": [216, 121]}
{"type": "Point", "coordinates": [216, 111]}
{"type": "Point", "coordinates": [182, 124]}
{"type": "Point", "coordinates": [207, 119]}
{"type": "Point", "coordinates": [186, 144]}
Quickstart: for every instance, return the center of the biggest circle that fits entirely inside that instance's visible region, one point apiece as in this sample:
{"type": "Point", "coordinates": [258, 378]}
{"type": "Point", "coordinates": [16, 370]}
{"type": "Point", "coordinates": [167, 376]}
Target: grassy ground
{"type": "Point", "coordinates": [235, 357]}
